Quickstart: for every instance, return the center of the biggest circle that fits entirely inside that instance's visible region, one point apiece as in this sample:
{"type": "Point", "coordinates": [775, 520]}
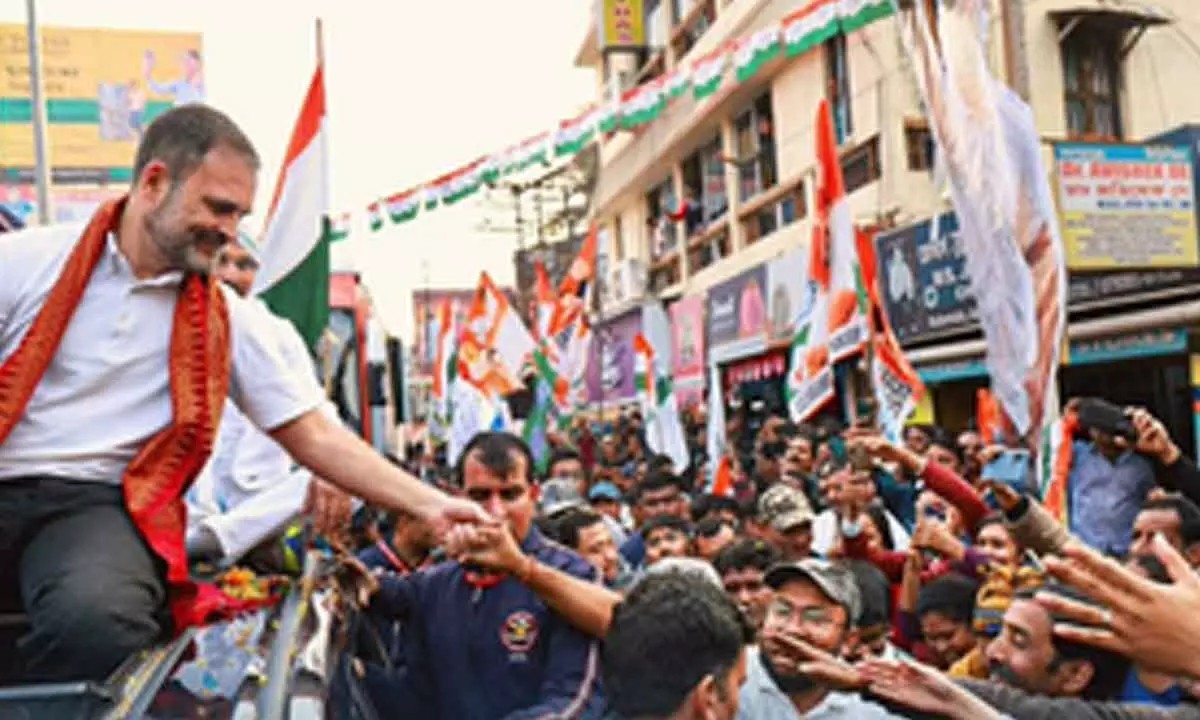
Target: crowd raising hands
{"type": "Point", "coordinates": [845, 575]}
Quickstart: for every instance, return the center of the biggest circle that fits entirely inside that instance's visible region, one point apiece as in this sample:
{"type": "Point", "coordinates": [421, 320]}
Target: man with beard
{"type": "Point", "coordinates": [118, 350]}
{"type": "Point", "coordinates": [676, 650]}
{"type": "Point", "coordinates": [816, 602]}
{"type": "Point", "coordinates": [1029, 656]}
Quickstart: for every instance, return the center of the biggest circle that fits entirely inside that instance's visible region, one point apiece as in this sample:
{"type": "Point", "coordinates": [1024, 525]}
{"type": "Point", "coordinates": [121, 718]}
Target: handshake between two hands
{"type": "Point", "coordinates": [489, 546]}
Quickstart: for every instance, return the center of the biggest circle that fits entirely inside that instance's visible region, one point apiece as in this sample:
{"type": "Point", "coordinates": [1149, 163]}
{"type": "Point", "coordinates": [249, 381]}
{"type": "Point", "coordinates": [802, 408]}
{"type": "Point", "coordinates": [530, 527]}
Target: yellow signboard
{"type": "Point", "coordinates": [1127, 206]}
{"type": "Point", "coordinates": [622, 24]}
{"type": "Point", "coordinates": [102, 88]}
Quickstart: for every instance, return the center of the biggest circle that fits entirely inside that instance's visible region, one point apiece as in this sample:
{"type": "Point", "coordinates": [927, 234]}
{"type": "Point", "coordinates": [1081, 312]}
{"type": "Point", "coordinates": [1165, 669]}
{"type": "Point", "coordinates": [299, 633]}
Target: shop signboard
{"type": "Point", "coordinates": [1094, 351]}
{"type": "Point", "coordinates": [1126, 206]}
{"type": "Point", "coordinates": [786, 277]}
{"type": "Point", "coordinates": [611, 367]}
{"type": "Point", "coordinates": [687, 344]}
{"type": "Point", "coordinates": [923, 279]}
{"type": "Point", "coordinates": [737, 316]}
{"type": "Point", "coordinates": [927, 295]}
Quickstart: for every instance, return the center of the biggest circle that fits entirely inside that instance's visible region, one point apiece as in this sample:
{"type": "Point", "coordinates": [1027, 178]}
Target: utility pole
{"type": "Point", "coordinates": [37, 95]}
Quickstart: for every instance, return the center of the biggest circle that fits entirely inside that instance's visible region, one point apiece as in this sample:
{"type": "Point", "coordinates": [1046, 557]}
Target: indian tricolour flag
{"type": "Point", "coordinates": [856, 14]}
{"type": "Point", "coordinates": [375, 215]}
{"type": "Point", "coordinates": [678, 82]}
{"type": "Point", "coordinates": [643, 104]}
{"type": "Point", "coordinates": [574, 135]}
{"type": "Point", "coordinates": [811, 26]}
{"type": "Point", "coordinates": [708, 72]}
{"type": "Point", "coordinates": [403, 206]}
{"type": "Point", "coordinates": [755, 51]}
{"type": "Point", "coordinates": [463, 183]}
{"type": "Point", "coordinates": [294, 277]}
{"type": "Point", "coordinates": [609, 116]}
{"type": "Point", "coordinates": [664, 430]}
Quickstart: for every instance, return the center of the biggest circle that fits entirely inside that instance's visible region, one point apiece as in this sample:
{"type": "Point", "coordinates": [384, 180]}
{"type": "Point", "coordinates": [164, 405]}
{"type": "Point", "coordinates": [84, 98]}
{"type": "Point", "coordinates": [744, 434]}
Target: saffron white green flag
{"type": "Point", "coordinates": [294, 277]}
{"type": "Point", "coordinates": [709, 71]}
{"type": "Point", "coordinates": [755, 51]}
{"type": "Point", "coordinates": [664, 429]}
{"type": "Point", "coordinates": [810, 26]}
{"type": "Point", "coordinates": [856, 14]}
{"type": "Point", "coordinates": [403, 206]}
{"type": "Point", "coordinates": [375, 215]}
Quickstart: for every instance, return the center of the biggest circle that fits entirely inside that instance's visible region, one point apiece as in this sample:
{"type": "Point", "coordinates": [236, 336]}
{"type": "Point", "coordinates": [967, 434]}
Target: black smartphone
{"type": "Point", "coordinates": [1109, 419]}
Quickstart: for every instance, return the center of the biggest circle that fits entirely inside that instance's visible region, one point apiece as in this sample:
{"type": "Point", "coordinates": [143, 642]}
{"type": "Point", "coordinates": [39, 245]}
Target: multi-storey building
{"type": "Point", "coordinates": [700, 201]}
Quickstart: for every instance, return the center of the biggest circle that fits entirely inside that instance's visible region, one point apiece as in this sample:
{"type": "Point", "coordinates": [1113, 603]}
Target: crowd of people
{"type": "Point", "coordinates": [841, 575]}
{"type": "Point", "coordinates": [844, 576]}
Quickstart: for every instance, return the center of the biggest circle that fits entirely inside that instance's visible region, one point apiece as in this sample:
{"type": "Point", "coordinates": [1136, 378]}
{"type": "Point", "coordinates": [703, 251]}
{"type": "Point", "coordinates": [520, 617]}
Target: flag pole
{"type": "Point", "coordinates": [326, 180]}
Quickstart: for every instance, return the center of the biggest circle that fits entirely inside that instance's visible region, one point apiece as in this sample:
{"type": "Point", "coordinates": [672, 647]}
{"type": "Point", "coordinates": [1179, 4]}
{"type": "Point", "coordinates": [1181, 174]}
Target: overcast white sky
{"type": "Point", "coordinates": [415, 87]}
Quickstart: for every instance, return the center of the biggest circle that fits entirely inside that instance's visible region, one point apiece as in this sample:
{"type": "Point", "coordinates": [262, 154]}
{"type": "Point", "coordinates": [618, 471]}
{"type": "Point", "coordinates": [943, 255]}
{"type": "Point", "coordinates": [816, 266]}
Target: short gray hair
{"type": "Point", "coordinates": [181, 138]}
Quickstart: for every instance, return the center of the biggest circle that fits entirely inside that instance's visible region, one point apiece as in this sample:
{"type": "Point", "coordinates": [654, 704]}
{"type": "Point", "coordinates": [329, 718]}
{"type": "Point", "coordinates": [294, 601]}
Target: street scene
{"type": "Point", "coordinates": [613, 359]}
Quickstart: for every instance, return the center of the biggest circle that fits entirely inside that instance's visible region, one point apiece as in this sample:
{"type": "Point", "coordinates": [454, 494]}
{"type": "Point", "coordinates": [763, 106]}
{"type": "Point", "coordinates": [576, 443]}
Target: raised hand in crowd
{"type": "Point", "coordinates": [1005, 495]}
{"type": "Point", "coordinates": [879, 448]}
{"type": "Point", "coordinates": [1153, 624]}
{"type": "Point", "coordinates": [933, 535]}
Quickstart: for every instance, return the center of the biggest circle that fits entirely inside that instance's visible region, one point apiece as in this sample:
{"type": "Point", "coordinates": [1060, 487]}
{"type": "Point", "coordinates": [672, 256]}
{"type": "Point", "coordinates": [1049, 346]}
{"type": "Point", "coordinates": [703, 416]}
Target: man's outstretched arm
{"type": "Point", "coordinates": [339, 456]}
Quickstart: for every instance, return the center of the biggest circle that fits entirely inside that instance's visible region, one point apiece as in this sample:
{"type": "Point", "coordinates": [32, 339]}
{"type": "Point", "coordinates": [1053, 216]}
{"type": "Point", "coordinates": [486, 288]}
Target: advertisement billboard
{"type": "Point", "coordinates": [102, 88]}
{"type": "Point", "coordinates": [610, 371]}
{"type": "Point", "coordinates": [687, 343]}
{"type": "Point", "coordinates": [68, 204]}
{"type": "Point", "coordinates": [1127, 206]}
{"type": "Point", "coordinates": [737, 316]}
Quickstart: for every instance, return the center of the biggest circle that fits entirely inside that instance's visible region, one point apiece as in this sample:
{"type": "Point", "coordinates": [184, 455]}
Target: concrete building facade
{"type": "Point", "coordinates": [1093, 70]}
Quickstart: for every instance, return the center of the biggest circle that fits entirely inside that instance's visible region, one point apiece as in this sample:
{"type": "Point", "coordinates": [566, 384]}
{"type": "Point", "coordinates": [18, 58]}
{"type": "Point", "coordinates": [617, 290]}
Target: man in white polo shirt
{"type": "Point", "coordinates": [116, 354]}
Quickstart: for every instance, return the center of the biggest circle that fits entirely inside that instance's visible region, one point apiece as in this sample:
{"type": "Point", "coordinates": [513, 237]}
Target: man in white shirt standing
{"type": "Point", "coordinates": [116, 353]}
{"type": "Point", "coordinates": [251, 488]}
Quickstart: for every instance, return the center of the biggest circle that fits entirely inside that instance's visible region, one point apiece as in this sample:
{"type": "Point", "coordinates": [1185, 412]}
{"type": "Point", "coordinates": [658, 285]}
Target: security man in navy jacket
{"type": "Point", "coordinates": [484, 647]}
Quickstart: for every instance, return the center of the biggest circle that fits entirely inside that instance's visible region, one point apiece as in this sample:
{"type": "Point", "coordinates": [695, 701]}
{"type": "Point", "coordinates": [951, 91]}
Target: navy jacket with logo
{"type": "Point", "coordinates": [490, 653]}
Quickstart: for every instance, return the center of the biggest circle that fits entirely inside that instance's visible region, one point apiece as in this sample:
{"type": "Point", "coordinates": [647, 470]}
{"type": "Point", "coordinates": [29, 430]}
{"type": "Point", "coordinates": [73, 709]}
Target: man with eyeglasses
{"type": "Point", "coordinates": [816, 602]}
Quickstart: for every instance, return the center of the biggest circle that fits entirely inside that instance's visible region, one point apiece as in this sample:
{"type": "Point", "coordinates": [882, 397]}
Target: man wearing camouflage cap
{"type": "Point", "coordinates": [785, 519]}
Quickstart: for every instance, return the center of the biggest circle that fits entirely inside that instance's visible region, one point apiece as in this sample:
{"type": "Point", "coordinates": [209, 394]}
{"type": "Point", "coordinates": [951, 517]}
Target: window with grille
{"type": "Point", "coordinates": [1091, 83]}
